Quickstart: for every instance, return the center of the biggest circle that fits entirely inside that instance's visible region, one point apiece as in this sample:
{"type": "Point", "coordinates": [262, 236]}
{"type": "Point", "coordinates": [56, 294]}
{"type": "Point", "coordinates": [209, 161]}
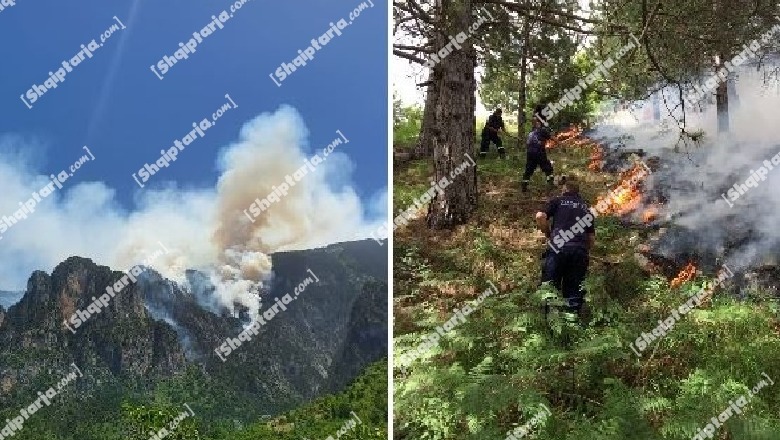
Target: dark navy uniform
{"type": "Point", "coordinates": [537, 155]}
{"type": "Point", "coordinates": [566, 262]}
{"type": "Point", "coordinates": [494, 122]}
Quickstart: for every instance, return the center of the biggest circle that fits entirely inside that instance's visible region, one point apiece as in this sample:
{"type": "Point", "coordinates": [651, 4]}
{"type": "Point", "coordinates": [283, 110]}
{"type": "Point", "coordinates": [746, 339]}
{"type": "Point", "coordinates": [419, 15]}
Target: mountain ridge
{"type": "Point", "coordinates": [155, 329]}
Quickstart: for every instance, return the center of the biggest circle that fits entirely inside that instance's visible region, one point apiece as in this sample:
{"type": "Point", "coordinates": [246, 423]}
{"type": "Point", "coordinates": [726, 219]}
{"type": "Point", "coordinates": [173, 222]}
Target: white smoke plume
{"type": "Point", "coordinates": [204, 229]}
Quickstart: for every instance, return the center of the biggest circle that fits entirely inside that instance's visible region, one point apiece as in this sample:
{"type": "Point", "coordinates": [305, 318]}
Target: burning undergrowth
{"type": "Point", "coordinates": [712, 200]}
{"type": "Point", "coordinates": [628, 199]}
{"type": "Point", "coordinates": [573, 137]}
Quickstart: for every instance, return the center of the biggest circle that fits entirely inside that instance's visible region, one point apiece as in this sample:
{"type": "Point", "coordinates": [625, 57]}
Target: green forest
{"type": "Point", "coordinates": [519, 365]}
{"type": "Point", "coordinates": [119, 413]}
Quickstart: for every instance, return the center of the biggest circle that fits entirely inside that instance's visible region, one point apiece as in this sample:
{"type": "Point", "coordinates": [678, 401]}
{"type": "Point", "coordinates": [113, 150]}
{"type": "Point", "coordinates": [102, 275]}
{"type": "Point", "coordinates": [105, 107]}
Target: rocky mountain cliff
{"type": "Point", "coordinates": [155, 329]}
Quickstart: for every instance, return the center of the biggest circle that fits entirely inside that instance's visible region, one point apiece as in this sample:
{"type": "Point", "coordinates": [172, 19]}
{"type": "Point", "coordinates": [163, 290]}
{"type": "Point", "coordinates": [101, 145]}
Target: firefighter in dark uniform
{"type": "Point", "coordinates": [536, 154]}
{"type": "Point", "coordinates": [571, 236]}
{"type": "Point", "coordinates": [490, 133]}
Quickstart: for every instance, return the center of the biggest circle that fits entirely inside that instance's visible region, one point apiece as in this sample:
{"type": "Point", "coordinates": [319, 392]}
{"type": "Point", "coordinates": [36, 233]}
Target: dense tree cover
{"type": "Point", "coordinates": [682, 41]}
{"type": "Point", "coordinates": [116, 412]}
{"type": "Point", "coordinates": [407, 122]}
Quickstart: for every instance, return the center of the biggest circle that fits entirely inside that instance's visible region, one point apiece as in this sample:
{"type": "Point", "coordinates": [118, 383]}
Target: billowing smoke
{"type": "Point", "coordinates": [205, 229]}
{"type": "Point", "coordinates": [698, 174]}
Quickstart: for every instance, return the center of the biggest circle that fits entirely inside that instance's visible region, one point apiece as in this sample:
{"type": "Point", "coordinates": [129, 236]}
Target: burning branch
{"type": "Point", "coordinates": [572, 137]}
{"type": "Point", "coordinates": [627, 196]}
{"type": "Point", "coordinates": [686, 274]}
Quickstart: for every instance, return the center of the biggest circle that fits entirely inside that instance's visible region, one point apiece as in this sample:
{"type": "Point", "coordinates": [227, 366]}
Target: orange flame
{"type": "Point", "coordinates": [650, 214]}
{"type": "Point", "coordinates": [572, 137]}
{"type": "Point", "coordinates": [626, 197]}
{"type": "Point", "coordinates": [596, 158]}
{"type": "Point", "coordinates": [564, 136]}
{"type": "Point", "coordinates": [687, 274]}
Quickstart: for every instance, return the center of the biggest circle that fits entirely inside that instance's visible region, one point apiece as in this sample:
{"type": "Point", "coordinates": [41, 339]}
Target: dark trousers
{"type": "Point", "coordinates": [488, 137]}
{"type": "Point", "coordinates": [566, 270]}
{"type": "Point", "coordinates": [534, 160]}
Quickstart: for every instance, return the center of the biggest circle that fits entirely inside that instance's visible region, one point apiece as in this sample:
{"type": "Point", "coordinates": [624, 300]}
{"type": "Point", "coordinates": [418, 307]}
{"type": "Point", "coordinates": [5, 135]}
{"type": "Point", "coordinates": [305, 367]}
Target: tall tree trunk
{"type": "Point", "coordinates": [454, 137]}
{"type": "Point", "coordinates": [523, 95]}
{"type": "Point", "coordinates": [733, 96]}
{"type": "Point", "coordinates": [425, 140]}
{"type": "Point", "coordinates": [428, 128]}
{"type": "Point", "coordinates": [722, 91]}
{"type": "Point", "coordinates": [722, 101]}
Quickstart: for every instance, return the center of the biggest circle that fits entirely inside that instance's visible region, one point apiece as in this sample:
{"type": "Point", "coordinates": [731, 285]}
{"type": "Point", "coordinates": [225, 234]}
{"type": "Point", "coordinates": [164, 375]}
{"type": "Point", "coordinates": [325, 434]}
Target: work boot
{"type": "Point", "coordinates": [574, 306]}
{"type": "Point", "coordinates": [482, 154]}
{"type": "Point", "coordinates": [501, 153]}
{"type": "Point", "coordinates": [524, 186]}
{"type": "Point", "coordinates": [571, 316]}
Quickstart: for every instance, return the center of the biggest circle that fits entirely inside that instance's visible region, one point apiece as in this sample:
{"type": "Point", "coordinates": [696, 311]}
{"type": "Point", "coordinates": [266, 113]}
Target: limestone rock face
{"type": "Point", "coordinates": [154, 328]}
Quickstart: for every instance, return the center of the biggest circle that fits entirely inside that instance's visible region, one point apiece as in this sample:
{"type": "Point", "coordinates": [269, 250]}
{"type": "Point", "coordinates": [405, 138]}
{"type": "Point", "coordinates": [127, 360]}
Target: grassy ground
{"type": "Point", "coordinates": [490, 374]}
{"type": "Point", "coordinates": [503, 242]}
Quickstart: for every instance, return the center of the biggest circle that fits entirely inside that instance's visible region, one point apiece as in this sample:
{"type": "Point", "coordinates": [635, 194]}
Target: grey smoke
{"type": "Point", "coordinates": [695, 173]}
{"type": "Point", "coordinates": [204, 229]}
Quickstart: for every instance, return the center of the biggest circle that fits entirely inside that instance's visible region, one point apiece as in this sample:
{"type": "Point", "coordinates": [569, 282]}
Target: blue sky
{"type": "Point", "coordinates": [114, 104]}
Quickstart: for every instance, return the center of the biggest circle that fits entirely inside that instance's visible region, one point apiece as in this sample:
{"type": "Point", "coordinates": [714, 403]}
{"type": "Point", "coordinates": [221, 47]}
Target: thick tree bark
{"type": "Point", "coordinates": [427, 130]}
{"type": "Point", "coordinates": [722, 92]}
{"type": "Point", "coordinates": [521, 102]}
{"type": "Point", "coordinates": [722, 106]}
{"type": "Point", "coordinates": [732, 94]}
{"type": "Point", "coordinates": [722, 100]}
{"type": "Point", "coordinates": [456, 124]}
